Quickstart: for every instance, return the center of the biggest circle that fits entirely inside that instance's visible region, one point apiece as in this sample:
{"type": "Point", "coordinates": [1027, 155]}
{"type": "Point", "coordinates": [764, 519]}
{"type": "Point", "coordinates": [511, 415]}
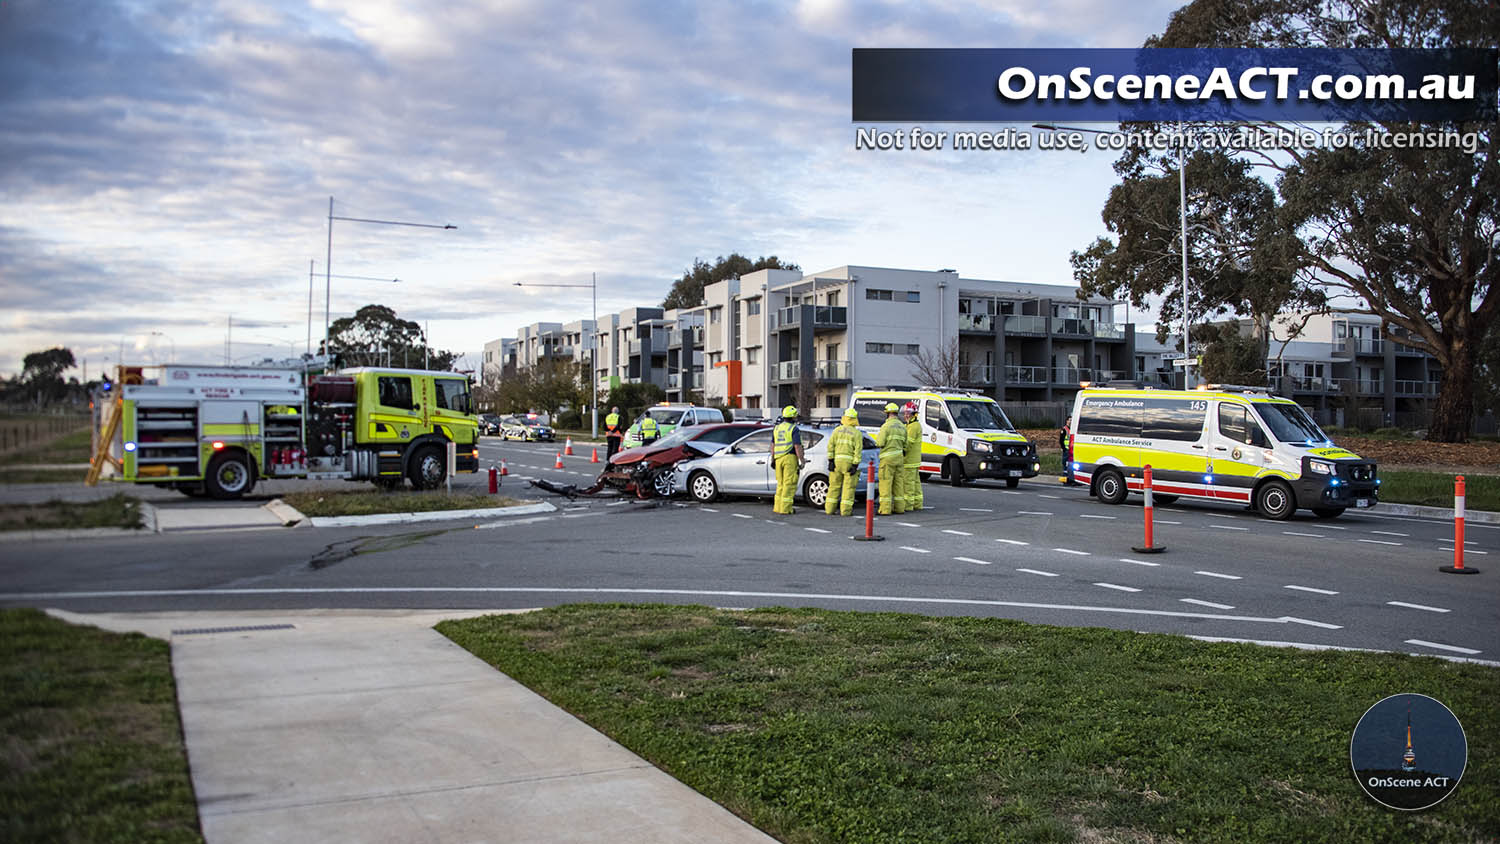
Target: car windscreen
{"type": "Point", "coordinates": [665, 416]}
{"type": "Point", "coordinates": [978, 415]}
{"type": "Point", "coordinates": [677, 437]}
{"type": "Point", "coordinates": [1289, 423]}
{"type": "Point", "coordinates": [724, 435]}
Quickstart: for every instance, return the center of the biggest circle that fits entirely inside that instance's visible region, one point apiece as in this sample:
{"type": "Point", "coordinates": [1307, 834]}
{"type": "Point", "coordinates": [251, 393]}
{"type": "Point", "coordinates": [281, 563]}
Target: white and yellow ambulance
{"type": "Point", "coordinates": [1218, 443]}
{"type": "Point", "coordinates": [965, 435]}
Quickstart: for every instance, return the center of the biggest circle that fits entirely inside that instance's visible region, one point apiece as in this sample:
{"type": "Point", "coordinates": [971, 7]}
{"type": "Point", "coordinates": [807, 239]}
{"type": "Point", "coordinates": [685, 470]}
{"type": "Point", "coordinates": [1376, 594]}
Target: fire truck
{"type": "Point", "coordinates": [217, 430]}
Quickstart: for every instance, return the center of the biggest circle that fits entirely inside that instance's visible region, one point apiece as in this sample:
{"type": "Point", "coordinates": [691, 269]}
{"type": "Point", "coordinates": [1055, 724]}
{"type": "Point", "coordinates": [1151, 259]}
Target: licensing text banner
{"type": "Point", "coordinates": [1190, 85]}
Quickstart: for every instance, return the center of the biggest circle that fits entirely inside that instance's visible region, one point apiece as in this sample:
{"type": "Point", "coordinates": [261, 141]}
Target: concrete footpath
{"type": "Point", "coordinates": [368, 725]}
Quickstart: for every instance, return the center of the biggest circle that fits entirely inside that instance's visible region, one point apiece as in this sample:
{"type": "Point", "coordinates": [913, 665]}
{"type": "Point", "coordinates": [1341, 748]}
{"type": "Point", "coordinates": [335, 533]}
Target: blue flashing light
{"type": "Point", "coordinates": [1377, 482]}
{"type": "Point", "coordinates": [1208, 479]}
{"type": "Point", "coordinates": [130, 446]}
{"type": "Point", "coordinates": [1334, 482]}
{"type": "Point", "coordinates": [1077, 466]}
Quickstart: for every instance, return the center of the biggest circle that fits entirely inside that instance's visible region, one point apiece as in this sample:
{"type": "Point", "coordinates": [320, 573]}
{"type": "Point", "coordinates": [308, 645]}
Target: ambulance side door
{"type": "Point", "coordinates": [937, 429]}
{"type": "Point", "coordinates": [1237, 449]}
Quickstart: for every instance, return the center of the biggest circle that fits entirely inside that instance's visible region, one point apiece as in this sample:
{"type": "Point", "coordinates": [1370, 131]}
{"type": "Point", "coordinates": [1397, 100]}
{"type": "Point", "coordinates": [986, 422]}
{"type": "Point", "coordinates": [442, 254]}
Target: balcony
{"type": "Point", "coordinates": [788, 370]}
{"type": "Point", "coordinates": [1026, 374]}
{"type": "Point", "coordinates": [1109, 331]}
{"type": "Point", "coordinates": [1301, 384]}
{"type": "Point", "coordinates": [1156, 378]}
{"type": "Point", "coordinates": [834, 370]}
{"type": "Point", "coordinates": [1025, 325]}
{"type": "Point", "coordinates": [1348, 347]}
{"type": "Point", "coordinates": [824, 318]}
{"type": "Point", "coordinates": [1366, 387]}
{"type": "Point", "coordinates": [1104, 376]}
{"type": "Point", "coordinates": [1417, 388]}
{"type": "Point", "coordinates": [976, 322]}
{"type": "Point", "coordinates": [1071, 375]}
{"type": "Point", "coordinates": [635, 347]}
{"type": "Point", "coordinates": [1070, 327]}
{"type": "Point", "coordinates": [693, 336]}
{"type": "Point", "coordinates": [976, 373]}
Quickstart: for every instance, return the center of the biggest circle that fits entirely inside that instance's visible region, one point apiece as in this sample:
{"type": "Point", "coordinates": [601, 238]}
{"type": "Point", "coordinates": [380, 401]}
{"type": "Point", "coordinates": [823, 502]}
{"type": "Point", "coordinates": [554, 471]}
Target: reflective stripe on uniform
{"type": "Point", "coordinates": [781, 437]}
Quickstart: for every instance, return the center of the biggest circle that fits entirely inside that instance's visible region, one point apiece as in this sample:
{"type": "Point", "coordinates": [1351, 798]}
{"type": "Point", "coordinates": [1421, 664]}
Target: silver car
{"type": "Point", "coordinates": [744, 467]}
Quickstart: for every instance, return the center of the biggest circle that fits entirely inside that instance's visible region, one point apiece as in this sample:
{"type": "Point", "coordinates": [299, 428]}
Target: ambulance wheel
{"type": "Point", "coordinates": [1275, 501]}
{"type": "Point", "coordinates": [428, 468]}
{"type": "Point", "coordinates": [703, 487]}
{"type": "Point", "coordinates": [1328, 512]}
{"type": "Point", "coordinates": [229, 476]}
{"type": "Point", "coordinates": [1110, 487]}
{"type": "Point", "coordinates": [1012, 483]}
{"type": "Point", "coordinates": [955, 472]}
{"type": "Point", "coordinates": [1158, 498]}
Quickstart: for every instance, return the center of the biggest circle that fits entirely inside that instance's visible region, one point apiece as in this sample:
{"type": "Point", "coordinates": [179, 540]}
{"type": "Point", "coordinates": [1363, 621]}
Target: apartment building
{"type": "Point", "coordinates": [499, 357]}
{"type": "Point", "coordinates": [1342, 361]}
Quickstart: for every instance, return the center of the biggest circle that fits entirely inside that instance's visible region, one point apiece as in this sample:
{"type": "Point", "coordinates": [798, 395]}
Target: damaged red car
{"type": "Point", "coordinates": [647, 470]}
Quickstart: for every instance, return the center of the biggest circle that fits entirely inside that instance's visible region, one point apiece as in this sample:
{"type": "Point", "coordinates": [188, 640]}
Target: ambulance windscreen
{"type": "Point", "coordinates": [1289, 423]}
{"type": "Point", "coordinates": [979, 416]}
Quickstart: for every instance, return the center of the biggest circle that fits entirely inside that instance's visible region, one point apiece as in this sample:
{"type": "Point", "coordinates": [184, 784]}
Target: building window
{"type": "Point", "coordinates": [715, 358]}
{"type": "Point", "coordinates": [752, 307]}
{"type": "Point", "coordinates": [878, 348]}
{"type": "Point", "coordinates": [833, 299]}
{"type": "Point", "coordinates": [913, 295]}
{"type": "Point", "coordinates": [878, 295]}
{"type": "Point", "coordinates": [831, 401]}
{"type": "Point", "coordinates": [831, 351]}
{"type": "Point", "coordinates": [752, 356]}
{"type": "Point", "coordinates": [752, 401]}
{"type": "Point", "coordinates": [714, 315]}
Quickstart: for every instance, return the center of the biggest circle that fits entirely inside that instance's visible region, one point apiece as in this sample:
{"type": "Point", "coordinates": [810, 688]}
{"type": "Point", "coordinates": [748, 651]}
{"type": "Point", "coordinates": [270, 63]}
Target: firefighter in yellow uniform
{"type": "Point", "coordinates": [845, 445]}
{"type": "Point", "coordinates": [891, 438]}
{"type": "Point", "coordinates": [913, 464]}
{"type": "Point", "coordinates": [786, 456]}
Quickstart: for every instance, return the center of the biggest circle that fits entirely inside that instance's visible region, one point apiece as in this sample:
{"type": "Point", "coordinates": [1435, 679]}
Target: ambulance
{"type": "Point", "coordinates": [965, 435]}
{"type": "Point", "coordinates": [1224, 443]}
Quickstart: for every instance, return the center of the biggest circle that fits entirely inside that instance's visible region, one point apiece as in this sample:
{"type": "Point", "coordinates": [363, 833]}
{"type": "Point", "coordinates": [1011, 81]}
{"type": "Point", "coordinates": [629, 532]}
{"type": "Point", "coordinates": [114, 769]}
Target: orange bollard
{"type": "Point", "coordinates": [1148, 548]}
{"type": "Point", "coordinates": [568, 447]}
{"type": "Point", "coordinates": [494, 481]}
{"type": "Point", "coordinates": [1458, 531]}
{"type": "Point", "coordinates": [869, 509]}
{"type": "Point", "coordinates": [594, 456]}
{"type": "Point", "coordinates": [559, 461]}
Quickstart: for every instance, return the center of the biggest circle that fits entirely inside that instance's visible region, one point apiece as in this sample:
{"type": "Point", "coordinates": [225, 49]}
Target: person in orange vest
{"type": "Point", "coordinates": [1065, 442]}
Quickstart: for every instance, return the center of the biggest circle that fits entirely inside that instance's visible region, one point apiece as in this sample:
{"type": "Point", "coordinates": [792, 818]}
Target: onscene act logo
{"type": "Point", "coordinates": [1408, 752]}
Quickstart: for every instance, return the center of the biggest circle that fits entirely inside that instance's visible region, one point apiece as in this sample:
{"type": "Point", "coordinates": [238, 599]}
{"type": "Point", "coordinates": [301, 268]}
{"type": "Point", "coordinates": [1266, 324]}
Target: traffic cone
{"type": "Point", "coordinates": [504, 470]}
{"type": "Point", "coordinates": [594, 457]}
{"type": "Point", "coordinates": [559, 461]}
{"type": "Point", "coordinates": [568, 447]}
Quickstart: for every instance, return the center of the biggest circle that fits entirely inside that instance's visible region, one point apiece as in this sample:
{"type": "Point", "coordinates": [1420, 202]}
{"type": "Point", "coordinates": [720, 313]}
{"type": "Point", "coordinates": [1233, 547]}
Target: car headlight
{"type": "Point", "coordinates": [1320, 467]}
{"type": "Point", "coordinates": [981, 446]}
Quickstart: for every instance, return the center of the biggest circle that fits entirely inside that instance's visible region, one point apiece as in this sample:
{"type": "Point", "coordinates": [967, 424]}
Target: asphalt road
{"type": "Point", "coordinates": [1042, 553]}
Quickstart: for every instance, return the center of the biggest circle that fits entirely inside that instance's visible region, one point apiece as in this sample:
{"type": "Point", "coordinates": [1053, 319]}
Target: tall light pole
{"type": "Point", "coordinates": [593, 287]}
{"type": "Point", "coordinates": [328, 259]}
{"type": "Point", "coordinates": [1182, 211]}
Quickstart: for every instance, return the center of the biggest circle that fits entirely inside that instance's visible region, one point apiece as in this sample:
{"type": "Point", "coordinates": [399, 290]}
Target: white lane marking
{"type": "Point", "coordinates": [1377, 542]}
{"type": "Point", "coordinates": [976, 509]}
{"type": "Point", "coordinates": [708, 510]}
{"type": "Point", "coordinates": [1210, 604]}
{"type": "Point", "coordinates": [1042, 573]}
{"type": "Point", "coordinates": [1013, 542]}
{"type": "Point", "coordinates": [1071, 551]}
{"type": "Point", "coordinates": [907, 524]}
{"type": "Point", "coordinates": [1334, 527]}
{"type": "Point", "coordinates": [972, 560]}
{"type": "Point", "coordinates": [1033, 513]}
{"type": "Point", "coordinates": [1009, 492]}
{"type": "Point", "coordinates": [915, 550]}
{"type": "Point", "coordinates": [1416, 606]}
{"type": "Point", "coordinates": [818, 530]}
{"type": "Point", "coordinates": [957, 532]}
{"type": "Point", "coordinates": [1390, 533]}
{"type": "Point", "coordinates": [1313, 535]}
{"type": "Point", "coordinates": [1307, 646]}
{"type": "Point", "coordinates": [1164, 521]}
{"type": "Point", "coordinates": [1091, 516]}
{"type": "Point", "coordinates": [1323, 624]}
{"type": "Point", "coordinates": [1466, 550]}
{"type": "Point", "coordinates": [1138, 562]}
{"type": "Point", "coordinates": [1121, 588]}
{"type": "Point", "coordinates": [1310, 589]}
{"type": "Point", "coordinates": [741, 516]}
{"type": "Point", "coordinates": [616, 503]}
{"type": "Point", "coordinates": [1228, 527]}
{"type": "Point", "coordinates": [1441, 647]}
{"type": "Point", "coordinates": [1216, 574]}
{"type": "Point", "coordinates": [1045, 495]}
{"type": "Point", "coordinates": [772, 522]}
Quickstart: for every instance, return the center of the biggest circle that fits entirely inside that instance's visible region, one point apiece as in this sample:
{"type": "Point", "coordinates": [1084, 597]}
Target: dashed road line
{"type": "Point", "coordinates": [1441, 647]}
{"type": "Point", "coordinates": [1009, 492]}
{"type": "Point", "coordinates": [957, 532]}
{"type": "Point", "coordinates": [616, 503]}
{"type": "Point", "coordinates": [1139, 562]}
{"type": "Point", "coordinates": [772, 522]}
{"type": "Point", "coordinates": [915, 550]}
{"type": "Point", "coordinates": [1045, 495]}
{"type": "Point", "coordinates": [1334, 527]}
{"type": "Point", "coordinates": [1416, 606]}
{"type": "Point", "coordinates": [1378, 542]}
{"type": "Point", "coordinates": [1216, 574]}
{"type": "Point", "coordinates": [1115, 586]}
{"type": "Point", "coordinates": [1310, 535]}
{"type": "Point", "coordinates": [1323, 624]}
{"type": "Point", "coordinates": [818, 530]}
{"type": "Point", "coordinates": [907, 524]}
{"type": "Point", "coordinates": [976, 509]}
{"type": "Point", "coordinates": [1466, 550]}
{"type": "Point", "coordinates": [741, 516]}
{"type": "Point", "coordinates": [1013, 542]}
{"type": "Point", "coordinates": [1310, 589]}
{"type": "Point", "coordinates": [1092, 516]}
{"type": "Point", "coordinates": [1042, 573]}
{"type": "Point", "coordinates": [1390, 533]}
{"type": "Point", "coordinates": [1071, 551]}
{"type": "Point", "coordinates": [972, 560]}
{"type": "Point", "coordinates": [1164, 521]}
{"type": "Point", "coordinates": [1033, 513]}
{"type": "Point", "coordinates": [708, 510]}
{"type": "Point", "coordinates": [1209, 604]}
{"type": "Point", "coordinates": [1228, 527]}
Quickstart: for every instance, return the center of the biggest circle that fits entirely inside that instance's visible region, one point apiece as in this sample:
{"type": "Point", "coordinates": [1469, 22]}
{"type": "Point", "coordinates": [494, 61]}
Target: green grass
{"type": "Point", "coordinates": [42, 476]}
{"type": "Point", "coordinates": [1052, 463]}
{"type": "Point", "coordinates": [68, 448]}
{"type": "Point", "coordinates": [117, 511]}
{"type": "Point", "coordinates": [1435, 489]}
{"type": "Point", "coordinates": [822, 726]}
{"type": "Point", "coordinates": [362, 503]}
{"type": "Point", "coordinates": [93, 745]}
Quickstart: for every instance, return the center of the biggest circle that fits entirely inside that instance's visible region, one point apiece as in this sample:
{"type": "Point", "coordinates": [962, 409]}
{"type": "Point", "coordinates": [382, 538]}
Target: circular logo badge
{"type": "Point", "coordinates": [1408, 752]}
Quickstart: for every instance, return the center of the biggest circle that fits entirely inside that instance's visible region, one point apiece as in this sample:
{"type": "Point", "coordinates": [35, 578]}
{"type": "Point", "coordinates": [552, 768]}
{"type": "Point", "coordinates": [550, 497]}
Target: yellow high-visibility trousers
{"type": "Point", "coordinates": [891, 486]}
{"type": "Point", "coordinates": [786, 483]}
{"type": "Point", "coordinates": [841, 485]}
{"type": "Point", "coordinates": [913, 486]}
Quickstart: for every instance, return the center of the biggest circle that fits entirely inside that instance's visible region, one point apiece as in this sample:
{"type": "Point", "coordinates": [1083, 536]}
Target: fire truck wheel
{"type": "Point", "coordinates": [229, 476]}
{"type": "Point", "coordinates": [428, 468]}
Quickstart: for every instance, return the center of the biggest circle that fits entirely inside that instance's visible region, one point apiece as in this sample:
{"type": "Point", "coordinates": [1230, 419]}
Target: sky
{"type": "Point", "coordinates": [166, 167]}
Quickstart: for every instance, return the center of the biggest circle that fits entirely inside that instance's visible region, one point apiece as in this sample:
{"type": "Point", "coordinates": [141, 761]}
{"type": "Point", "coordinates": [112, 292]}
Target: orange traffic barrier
{"type": "Point", "coordinates": [1458, 566]}
{"type": "Point", "coordinates": [1148, 548]}
{"type": "Point", "coordinates": [594, 457]}
{"type": "Point", "coordinates": [568, 447]}
{"type": "Point", "coordinates": [869, 509]}
{"type": "Point", "coordinates": [559, 461]}
{"type": "Point", "coordinates": [504, 469]}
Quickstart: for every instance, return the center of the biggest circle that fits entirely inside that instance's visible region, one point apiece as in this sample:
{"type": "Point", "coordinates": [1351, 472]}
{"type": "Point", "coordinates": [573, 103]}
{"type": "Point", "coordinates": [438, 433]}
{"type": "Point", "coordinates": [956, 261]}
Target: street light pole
{"type": "Point", "coordinates": [328, 258]}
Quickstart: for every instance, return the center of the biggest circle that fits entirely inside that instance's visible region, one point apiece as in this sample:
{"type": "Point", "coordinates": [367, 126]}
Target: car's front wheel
{"type": "Point", "coordinates": [661, 483]}
{"type": "Point", "coordinates": [703, 487]}
{"type": "Point", "coordinates": [816, 490]}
